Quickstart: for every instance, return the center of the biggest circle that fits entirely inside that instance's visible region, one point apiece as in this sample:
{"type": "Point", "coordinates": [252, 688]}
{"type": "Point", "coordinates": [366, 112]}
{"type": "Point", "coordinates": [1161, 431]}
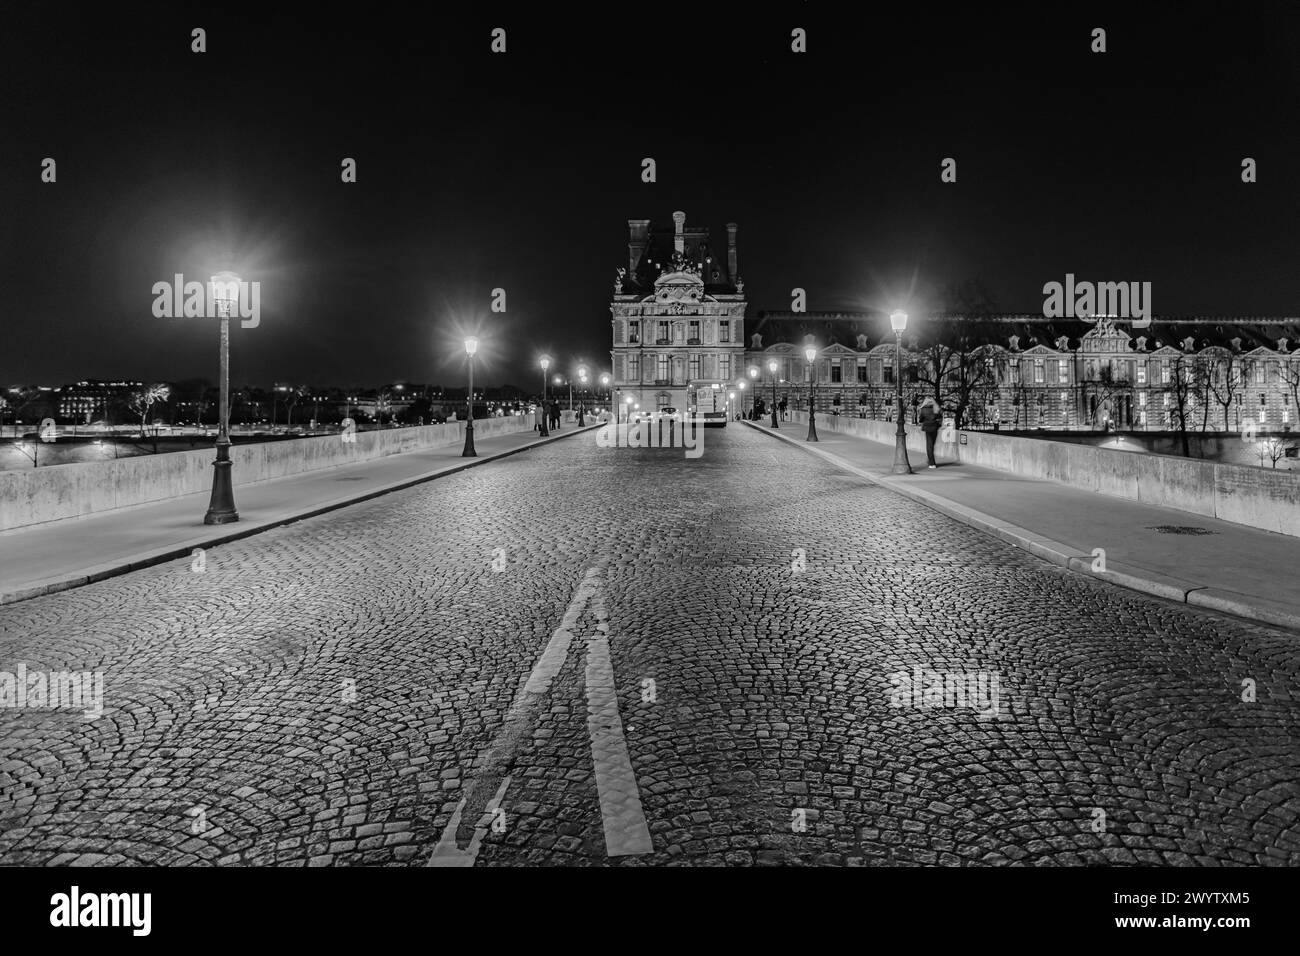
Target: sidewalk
{"type": "Point", "coordinates": [65, 554]}
{"type": "Point", "coordinates": [1236, 569]}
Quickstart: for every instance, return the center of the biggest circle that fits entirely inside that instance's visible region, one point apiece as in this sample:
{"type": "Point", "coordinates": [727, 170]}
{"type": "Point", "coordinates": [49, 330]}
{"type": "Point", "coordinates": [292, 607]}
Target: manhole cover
{"type": "Point", "coordinates": [357, 478]}
{"type": "Point", "coordinates": [1179, 529]}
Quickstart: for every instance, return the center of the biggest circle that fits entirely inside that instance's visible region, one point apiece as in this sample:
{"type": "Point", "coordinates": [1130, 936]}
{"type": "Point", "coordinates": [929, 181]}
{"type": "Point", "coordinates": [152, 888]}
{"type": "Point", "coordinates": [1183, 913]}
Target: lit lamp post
{"type": "Point", "coordinates": [471, 346]}
{"type": "Point", "coordinates": [810, 354]}
{"type": "Point", "coordinates": [753, 377]}
{"type": "Point", "coordinates": [546, 412]}
{"type": "Point", "coordinates": [224, 287]}
{"type": "Point", "coordinates": [582, 380]}
{"type": "Point", "coordinates": [771, 367]}
{"type": "Point", "coordinates": [901, 465]}
{"type": "Point", "coordinates": [741, 405]}
{"type": "Point", "coordinates": [604, 383]}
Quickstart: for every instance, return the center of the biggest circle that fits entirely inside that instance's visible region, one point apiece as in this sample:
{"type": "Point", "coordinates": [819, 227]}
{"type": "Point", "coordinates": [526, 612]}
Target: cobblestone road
{"type": "Point", "coordinates": [332, 691]}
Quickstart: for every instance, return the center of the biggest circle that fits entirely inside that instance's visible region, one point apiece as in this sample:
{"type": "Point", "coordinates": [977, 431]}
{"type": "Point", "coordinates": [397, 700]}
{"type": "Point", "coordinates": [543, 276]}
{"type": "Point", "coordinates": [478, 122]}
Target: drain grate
{"type": "Point", "coordinates": [1179, 529]}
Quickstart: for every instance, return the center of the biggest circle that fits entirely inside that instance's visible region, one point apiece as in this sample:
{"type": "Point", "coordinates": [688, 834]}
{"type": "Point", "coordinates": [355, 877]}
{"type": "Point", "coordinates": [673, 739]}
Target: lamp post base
{"type": "Point", "coordinates": [901, 465]}
{"type": "Point", "coordinates": [221, 506]}
{"type": "Point", "coordinates": [812, 427]}
{"type": "Point", "coordinates": [469, 451]}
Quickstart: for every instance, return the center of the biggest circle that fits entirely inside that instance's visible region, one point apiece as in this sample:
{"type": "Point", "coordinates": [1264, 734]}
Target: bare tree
{"type": "Point", "coordinates": [1181, 388]}
{"type": "Point", "coordinates": [1290, 367]}
{"type": "Point", "coordinates": [143, 399]}
{"type": "Point", "coordinates": [1225, 381]}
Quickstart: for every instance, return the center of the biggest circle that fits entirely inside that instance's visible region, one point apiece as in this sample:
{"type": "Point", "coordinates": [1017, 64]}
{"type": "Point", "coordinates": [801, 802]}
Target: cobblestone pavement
{"type": "Point", "coordinates": [331, 691]}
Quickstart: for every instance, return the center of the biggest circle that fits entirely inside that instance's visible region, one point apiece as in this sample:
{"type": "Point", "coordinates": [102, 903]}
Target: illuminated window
{"type": "Point", "coordinates": [1142, 373]}
{"type": "Point", "coordinates": [1142, 399]}
{"type": "Point", "coordinates": [634, 333]}
{"type": "Point", "coordinates": [1038, 371]}
{"type": "Point", "coordinates": [1063, 370]}
{"type": "Point", "coordinates": [724, 332]}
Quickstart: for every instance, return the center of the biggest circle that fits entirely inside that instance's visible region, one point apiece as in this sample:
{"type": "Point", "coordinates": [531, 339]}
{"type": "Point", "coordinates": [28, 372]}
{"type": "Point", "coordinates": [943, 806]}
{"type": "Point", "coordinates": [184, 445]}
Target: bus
{"type": "Point", "coordinates": [706, 401]}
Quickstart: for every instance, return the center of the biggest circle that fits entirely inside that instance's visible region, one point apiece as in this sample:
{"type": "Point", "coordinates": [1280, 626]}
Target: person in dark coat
{"type": "Point", "coordinates": [930, 421]}
{"type": "Point", "coordinates": [781, 406]}
{"type": "Point", "coordinates": [555, 414]}
{"type": "Point", "coordinates": [581, 416]}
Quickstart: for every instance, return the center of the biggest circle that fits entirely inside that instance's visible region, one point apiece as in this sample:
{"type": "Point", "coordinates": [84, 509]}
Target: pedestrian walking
{"type": "Point", "coordinates": [782, 407]}
{"type": "Point", "coordinates": [538, 417]}
{"type": "Point", "coordinates": [582, 416]}
{"type": "Point", "coordinates": [930, 420]}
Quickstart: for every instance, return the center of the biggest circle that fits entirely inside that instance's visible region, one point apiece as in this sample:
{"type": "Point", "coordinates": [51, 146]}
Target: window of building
{"type": "Point", "coordinates": [1142, 415]}
{"type": "Point", "coordinates": [662, 335]}
{"type": "Point", "coordinates": [1261, 399]}
{"type": "Point", "coordinates": [695, 365]}
{"type": "Point", "coordinates": [694, 332]}
{"type": "Point", "coordinates": [662, 372]}
{"type": "Point", "coordinates": [634, 367]}
{"type": "Point", "coordinates": [836, 371]}
{"type": "Point", "coordinates": [634, 332]}
{"type": "Point", "coordinates": [724, 366]}
{"type": "Point", "coordinates": [724, 331]}
{"type": "Point", "coordinates": [1142, 373]}
{"type": "Point", "coordinates": [1263, 416]}
{"type": "Point", "coordinates": [1063, 371]}
{"type": "Point", "coordinates": [862, 374]}
{"type": "Point", "coordinates": [1142, 398]}
{"type": "Point", "coordinates": [889, 375]}
{"type": "Point", "coordinates": [1038, 371]}
{"type": "Point", "coordinates": [1166, 398]}
{"type": "Point", "coordinates": [1164, 373]}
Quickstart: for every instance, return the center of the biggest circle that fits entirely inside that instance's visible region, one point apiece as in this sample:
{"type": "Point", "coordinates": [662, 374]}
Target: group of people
{"type": "Point", "coordinates": [550, 415]}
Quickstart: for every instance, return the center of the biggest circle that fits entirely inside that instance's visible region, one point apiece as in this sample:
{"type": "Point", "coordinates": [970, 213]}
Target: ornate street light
{"type": "Point", "coordinates": [810, 354]}
{"type": "Point", "coordinates": [471, 346]}
{"type": "Point", "coordinates": [741, 405]}
{"type": "Point", "coordinates": [771, 367]}
{"type": "Point", "coordinates": [753, 377]}
{"type": "Point", "coordinates": [224, 288]}
{"type": "Point", "coordinates": [901, 465]}
{"type": "Point", "coordinates": [546, 412]}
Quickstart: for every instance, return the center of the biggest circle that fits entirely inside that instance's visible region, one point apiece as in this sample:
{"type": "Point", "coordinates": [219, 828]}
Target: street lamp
{"type": "Point", "coordinates": [604, 383]}
{"type": "Point", "coordinates": [741, 404]}
{"type": "Point", "coordinates": [901, 465]}
{"type": "Point", "coordinates": [753, 377]}
{"type": "Point", "coordinates": [771, 367]}
{"type": "Point", "coordinates": [471, 346]}
{"type": "Point", "coordinates": [546, 412]}
{"type": "Point", "coordinates": [810, 354]}
{"type": "Point", "coordinates": [224, 287]}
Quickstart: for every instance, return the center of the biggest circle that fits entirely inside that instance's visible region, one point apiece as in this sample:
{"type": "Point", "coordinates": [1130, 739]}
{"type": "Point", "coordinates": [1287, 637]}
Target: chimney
{"type": "Point", "coordinates": [732, 270]}
{"type": "Point", "coordinates": [679, 240]}
{"type": "Point", "coordinates": [637, 238]}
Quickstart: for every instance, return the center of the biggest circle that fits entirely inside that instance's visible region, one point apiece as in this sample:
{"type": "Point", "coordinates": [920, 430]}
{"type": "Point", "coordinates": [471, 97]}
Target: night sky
{"type": "Point", "coordinates": [519, 171]}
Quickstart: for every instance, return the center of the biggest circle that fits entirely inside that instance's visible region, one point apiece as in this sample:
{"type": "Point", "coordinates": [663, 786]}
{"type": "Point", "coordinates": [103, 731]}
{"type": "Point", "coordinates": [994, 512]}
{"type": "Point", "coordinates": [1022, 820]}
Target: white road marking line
{"type": "Point", "coordinates": [490, 765]}
{"type": "Point", "coordinates": [447, 853]}
{"type": "Point", "coordinates": [626, 833]}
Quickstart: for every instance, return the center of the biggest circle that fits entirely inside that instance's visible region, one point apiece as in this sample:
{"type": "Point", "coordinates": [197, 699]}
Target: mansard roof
{"type": "Point", "coordinates": [1031, 330]}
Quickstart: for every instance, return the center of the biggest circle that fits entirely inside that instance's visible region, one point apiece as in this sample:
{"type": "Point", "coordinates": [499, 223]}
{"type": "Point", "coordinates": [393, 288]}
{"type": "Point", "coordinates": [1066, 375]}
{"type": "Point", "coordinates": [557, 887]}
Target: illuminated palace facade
{"type": "Point", "coordinates": [1025, 371]}
{"type": "Point", "coordinates": [678, 314]}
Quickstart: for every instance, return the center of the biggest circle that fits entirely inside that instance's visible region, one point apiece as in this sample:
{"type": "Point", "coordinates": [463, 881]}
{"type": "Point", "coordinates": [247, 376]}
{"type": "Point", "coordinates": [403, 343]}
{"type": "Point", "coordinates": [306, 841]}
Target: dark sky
{"type": "Point", "coordinates": [520, 170]}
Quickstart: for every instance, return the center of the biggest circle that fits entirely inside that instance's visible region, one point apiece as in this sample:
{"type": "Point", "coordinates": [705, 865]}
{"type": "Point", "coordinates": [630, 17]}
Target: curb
{"type": "Point", "coordinates": [145, 559]}
{"type": "Point", "coordinates": [1174, 589]}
